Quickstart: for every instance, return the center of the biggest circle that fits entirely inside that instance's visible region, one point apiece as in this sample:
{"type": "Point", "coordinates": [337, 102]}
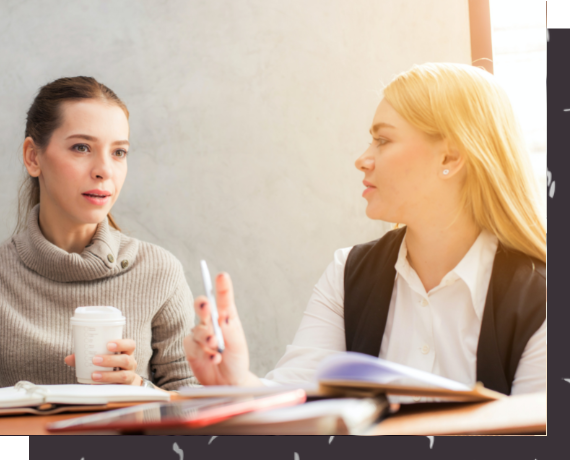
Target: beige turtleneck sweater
{"type": "Point", "coordinates": [41, 285]}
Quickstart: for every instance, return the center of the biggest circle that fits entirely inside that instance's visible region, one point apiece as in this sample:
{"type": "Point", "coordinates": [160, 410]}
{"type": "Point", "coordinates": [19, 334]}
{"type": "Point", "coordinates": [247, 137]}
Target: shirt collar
{"type": "Point", "coordinates": [474, 270]}
{"type": "Point", "coordinates": [476, 267]}
{"type": "Point", "coordinates": [405, 270]}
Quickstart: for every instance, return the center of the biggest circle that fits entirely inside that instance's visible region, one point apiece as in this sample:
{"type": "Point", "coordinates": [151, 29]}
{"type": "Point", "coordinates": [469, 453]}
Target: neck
{"type": "Point", "coordinates": [63, 232]}
{"type": "Point", "coordinates": [435, 248]}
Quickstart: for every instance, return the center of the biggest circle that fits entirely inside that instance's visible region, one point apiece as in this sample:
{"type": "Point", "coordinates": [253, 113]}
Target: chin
{"type": "Point", "coordinates": [93, 217]}
{"type": "Point", "coordinates": [377, 213]}
{"type": "Point", "coordinates": [374, 213]}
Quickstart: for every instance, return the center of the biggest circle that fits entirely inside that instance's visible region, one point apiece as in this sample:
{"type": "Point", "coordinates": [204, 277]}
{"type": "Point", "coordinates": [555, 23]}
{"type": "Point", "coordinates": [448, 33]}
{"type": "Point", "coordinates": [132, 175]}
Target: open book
{"type": "Point", "coordinates": [342, 416]}
{"type": "Point", "coordinates": [354, 374]}
{"type": "Point", "coordinates": [230, 391]}
{"type": "Point", "coordinates": [25, 397]}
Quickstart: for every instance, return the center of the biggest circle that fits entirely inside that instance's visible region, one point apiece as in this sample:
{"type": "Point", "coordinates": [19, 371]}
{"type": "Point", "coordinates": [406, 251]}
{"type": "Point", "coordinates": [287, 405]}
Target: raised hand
{"type": "Point", "coordinates": [210, 367]}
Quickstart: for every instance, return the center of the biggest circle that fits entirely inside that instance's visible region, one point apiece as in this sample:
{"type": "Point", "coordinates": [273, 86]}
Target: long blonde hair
{"type": "Point", "coordinates": [465, 105]}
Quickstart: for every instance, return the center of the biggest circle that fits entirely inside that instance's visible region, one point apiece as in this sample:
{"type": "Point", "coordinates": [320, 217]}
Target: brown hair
{"type": "Point", "coordinates": [45, 116]}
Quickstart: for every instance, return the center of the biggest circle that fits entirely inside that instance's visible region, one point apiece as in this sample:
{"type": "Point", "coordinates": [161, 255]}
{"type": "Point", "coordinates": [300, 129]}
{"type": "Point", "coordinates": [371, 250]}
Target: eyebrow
{"type": "Point", "coordinates": [377, 126]}
{"type": "Point", "coordinates": [94, 139]}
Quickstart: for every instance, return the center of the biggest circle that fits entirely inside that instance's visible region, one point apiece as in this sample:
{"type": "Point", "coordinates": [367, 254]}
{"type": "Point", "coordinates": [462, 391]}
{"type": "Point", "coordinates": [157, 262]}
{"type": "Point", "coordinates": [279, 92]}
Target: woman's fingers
{"type": "Point", "coordinates": [202, 309]}
{"type": "Point", "coordinates": [204, 331]}
{"type": "Point", "coordinates": [122, 346]}
{"type": "Point", "coordinates": [120, 377]}
{"type": "Point", "coordinates": [225, 296]}
{"type": "Point", "coordinates": [70, 360]}
{"type": "Point", "coordinates": [192, 348]}
{"type": "Point", "coordinates": [205, 336]}
{"type": "Point", "coordinates": [122, 361]}
{"type": "Point", "coordinates": [198, 353]}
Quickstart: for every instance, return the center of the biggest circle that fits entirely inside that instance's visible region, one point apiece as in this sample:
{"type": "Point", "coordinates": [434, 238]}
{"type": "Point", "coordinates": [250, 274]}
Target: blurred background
{"type": "Point", "coordinates": [246, 120]}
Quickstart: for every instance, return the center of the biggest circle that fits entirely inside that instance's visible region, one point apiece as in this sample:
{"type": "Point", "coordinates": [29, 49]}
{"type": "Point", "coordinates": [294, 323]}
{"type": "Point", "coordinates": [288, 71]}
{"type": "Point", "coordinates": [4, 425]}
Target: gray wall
{"type": "Point", "coordinates": [246, 120]}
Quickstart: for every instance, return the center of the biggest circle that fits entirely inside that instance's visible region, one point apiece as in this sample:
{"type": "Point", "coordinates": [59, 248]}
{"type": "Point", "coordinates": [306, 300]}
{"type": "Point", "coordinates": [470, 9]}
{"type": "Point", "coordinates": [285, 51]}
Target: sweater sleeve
{"type": "Point", "coordinates": [173, 322]}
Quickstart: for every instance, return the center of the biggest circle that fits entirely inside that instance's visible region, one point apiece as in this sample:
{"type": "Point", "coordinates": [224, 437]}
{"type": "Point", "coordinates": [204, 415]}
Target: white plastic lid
{"type": "Point", "coordinates": [97, 314]}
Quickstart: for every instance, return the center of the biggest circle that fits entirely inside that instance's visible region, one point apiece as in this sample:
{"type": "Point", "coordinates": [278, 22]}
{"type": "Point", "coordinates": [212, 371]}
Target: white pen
{"type": "Point", "coordinates": [213, 307]}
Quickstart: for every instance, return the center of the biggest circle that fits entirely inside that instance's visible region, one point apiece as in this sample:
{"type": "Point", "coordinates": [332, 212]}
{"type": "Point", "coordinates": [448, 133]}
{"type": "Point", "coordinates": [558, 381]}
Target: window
{"type": "Point", "coordinates": [519, 60]}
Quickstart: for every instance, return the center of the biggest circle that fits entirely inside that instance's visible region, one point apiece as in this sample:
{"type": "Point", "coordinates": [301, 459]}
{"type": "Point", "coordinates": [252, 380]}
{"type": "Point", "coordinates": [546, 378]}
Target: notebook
{"type": "Point", "coordinates": [359, 374]}
{"type": "Point", "coordinates": [229, 391]}
{"type": "Point", "coordinates": [345, 416]}
{"type": "Point", "coordinates": [25, 397]}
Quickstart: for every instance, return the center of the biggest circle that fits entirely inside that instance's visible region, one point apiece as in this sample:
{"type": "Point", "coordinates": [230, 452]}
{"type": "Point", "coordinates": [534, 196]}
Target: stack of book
{"type": "Point", "coordinates": [350, 396]}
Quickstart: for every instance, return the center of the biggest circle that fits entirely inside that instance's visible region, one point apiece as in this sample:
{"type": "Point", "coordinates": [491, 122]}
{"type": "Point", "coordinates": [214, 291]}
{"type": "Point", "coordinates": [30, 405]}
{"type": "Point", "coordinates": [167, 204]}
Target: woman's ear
{"type": "Point", "coordinates": [31, 157]}
{"type": "Point", "coordinates": [452, 160]}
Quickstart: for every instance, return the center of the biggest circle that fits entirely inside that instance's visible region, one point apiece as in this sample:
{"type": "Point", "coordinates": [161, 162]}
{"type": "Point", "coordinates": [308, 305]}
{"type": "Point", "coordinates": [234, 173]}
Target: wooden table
{"type": "Point", "coordinates": [524, 414]}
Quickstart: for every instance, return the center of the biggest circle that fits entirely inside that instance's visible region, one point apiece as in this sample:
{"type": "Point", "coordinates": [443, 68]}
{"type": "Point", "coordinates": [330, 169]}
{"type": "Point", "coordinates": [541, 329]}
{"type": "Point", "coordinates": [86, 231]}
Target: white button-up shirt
{"type": "Point", "coordinates": [435, 331]}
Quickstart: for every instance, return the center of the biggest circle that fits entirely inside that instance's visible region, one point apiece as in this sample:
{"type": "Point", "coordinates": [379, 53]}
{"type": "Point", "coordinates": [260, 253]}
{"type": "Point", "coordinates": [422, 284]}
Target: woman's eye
{"type": "Point", "coordinates": [380, 141]}
{"type": "Point", "coordinates": [121, 153]}
{"type": "Point", "coordinates": [81, 148]}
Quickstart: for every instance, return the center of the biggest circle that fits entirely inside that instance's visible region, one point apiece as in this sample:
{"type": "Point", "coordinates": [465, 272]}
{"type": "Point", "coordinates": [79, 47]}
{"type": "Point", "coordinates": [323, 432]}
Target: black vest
{"type": "Point", "coordinates": [514, 309]}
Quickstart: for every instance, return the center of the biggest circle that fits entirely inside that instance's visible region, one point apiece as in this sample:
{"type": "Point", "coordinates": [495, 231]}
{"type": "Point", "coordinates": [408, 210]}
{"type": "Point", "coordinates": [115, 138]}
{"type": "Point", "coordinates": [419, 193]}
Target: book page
{"type": "Point", "coordinates": [34, 395]}
{"type": "Point", "coordinates": [10, 397]}
{"type": "Point", "coordinates": [217, 391]}
{"type": "Point", "coordinates": [101, 394]}
{"type": "Point", "coordinates": [361, 367]}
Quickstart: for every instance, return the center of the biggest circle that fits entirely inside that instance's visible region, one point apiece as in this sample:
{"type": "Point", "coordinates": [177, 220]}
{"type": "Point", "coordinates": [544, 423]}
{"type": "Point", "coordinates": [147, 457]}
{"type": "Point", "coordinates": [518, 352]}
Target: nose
{"type": "Point", "coordinates": [102, 168]}
{"type": "Point", "coordinates": [365, 162]}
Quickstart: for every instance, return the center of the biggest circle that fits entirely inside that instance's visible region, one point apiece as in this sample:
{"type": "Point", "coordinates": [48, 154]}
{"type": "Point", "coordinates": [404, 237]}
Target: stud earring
{"type": "Point", "coordinates": [445, 172]}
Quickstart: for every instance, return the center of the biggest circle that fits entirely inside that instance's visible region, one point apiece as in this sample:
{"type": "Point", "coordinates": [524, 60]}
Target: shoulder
{"type": "Point", "coordinates": [520, 265]}
{"type": "Point", "coordinates": [340, 256]}
{"type": "Point", "coordinates": [157, 257]}
{"type": "Point", "coordinates": [11, 266]}
{"type": "Point", "coordinates": [381, 248]}
{"type": "Point", "coordinates": [353, 259]}
{"type": "Point", "coordinates": [332, 278]}
{"type": "Point", "coordinates": [8, 250]}
{"type": "Point", "coordinates": [519, 285]}
{"type": "Point", "coordinates": [5, 246]}
{"type": "Point", "coordinates": [151, 260]}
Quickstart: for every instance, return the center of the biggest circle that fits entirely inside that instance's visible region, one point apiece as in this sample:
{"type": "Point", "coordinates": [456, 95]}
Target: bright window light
{"type": "Point", "coordinates": [519, 61]}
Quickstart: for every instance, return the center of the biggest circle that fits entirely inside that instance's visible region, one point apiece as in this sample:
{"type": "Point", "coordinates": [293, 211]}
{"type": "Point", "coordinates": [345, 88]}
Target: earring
{"type": "Point", "coordinates": [445, 172]}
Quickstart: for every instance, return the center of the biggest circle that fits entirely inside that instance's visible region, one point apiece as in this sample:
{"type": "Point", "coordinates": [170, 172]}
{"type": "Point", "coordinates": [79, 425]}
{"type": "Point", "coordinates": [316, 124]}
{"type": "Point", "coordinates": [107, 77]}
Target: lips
{"type": "Point", "coordinates": [369, 187]}
{"type": "Point", "coordinates": [97, 193]}
{"type": "Point", "coordinates": [97, 197]}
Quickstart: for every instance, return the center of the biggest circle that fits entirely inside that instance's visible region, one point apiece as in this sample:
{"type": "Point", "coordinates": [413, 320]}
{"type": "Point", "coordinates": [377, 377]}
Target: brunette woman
{"type": "Point", "coordinates": [68, 251]}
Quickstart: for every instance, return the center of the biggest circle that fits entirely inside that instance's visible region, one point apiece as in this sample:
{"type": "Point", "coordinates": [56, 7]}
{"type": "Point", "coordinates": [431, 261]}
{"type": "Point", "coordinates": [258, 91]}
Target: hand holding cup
{"type": "Point", "coordinates": [101, 354]}
{"type": "Point", "coordinates": [124, 364]}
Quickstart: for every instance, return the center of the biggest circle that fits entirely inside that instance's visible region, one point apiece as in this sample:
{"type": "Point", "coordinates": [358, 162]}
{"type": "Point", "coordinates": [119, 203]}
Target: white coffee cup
{"type": "Point", "coordinates": [93, 328]}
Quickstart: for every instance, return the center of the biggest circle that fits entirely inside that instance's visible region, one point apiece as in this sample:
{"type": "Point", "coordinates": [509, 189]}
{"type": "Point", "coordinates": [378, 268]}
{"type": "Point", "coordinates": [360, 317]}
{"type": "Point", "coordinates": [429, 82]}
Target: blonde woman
{"type": "Point", "coordinates": [459, 290]}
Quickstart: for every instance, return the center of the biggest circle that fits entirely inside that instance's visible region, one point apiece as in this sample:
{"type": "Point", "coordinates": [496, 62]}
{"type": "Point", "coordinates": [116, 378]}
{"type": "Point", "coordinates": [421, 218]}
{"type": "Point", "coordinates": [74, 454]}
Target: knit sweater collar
{"type": "Point", "coordinates": [109, 253]}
